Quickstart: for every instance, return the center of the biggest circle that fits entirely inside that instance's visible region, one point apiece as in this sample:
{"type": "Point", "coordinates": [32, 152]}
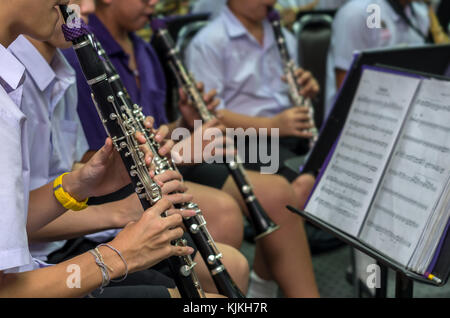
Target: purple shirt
{"type": "Point", "coordinates": [151, 96]}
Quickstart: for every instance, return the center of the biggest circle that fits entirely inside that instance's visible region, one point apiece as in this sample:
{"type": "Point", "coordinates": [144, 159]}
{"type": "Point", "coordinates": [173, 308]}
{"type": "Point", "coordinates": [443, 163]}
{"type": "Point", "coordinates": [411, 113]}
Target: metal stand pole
{"type": "Point", "coordinates": [382, 291]}
{"type": "Point", "coordinates": [404, 286]}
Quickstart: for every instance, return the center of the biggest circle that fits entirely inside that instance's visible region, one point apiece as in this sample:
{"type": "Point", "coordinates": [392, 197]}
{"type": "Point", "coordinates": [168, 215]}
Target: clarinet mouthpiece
{"type": "Point", "coordinates": [273, 15]}
{"type": "Point", "coordinates": [157, 24]}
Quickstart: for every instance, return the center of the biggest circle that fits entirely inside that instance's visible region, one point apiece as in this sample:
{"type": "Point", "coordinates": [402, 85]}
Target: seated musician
{"type": "Point", "coordinates": [57, 141]}
{"type": "Point", "coordinates": [402, 22]}
{"type": "Point", "coordinates": [137, 247]}
{"type": "Point", "coordinates": [237, 55]}
{"type": "Point", "coordinates": [290, 266]}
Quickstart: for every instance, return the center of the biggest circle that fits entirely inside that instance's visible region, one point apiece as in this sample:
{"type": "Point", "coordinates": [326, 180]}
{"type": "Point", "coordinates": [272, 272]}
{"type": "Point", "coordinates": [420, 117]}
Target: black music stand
{"type": "Point", "coordinates": [404, 278]}
{"type": "Point", "coordinates": [427, 59]}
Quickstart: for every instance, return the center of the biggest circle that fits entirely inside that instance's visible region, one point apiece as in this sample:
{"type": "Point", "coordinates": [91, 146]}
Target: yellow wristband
{"type": "Point", "coordinates": [65, 198]}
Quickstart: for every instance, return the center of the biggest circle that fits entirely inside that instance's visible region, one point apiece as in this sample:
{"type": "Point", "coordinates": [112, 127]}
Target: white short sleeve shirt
{"type": "Point", "coordinates": [14, 167]}
{"type": "Point", "coordinates": [56, 138]}
{"type": "Point", "coordinates": [351, 33]}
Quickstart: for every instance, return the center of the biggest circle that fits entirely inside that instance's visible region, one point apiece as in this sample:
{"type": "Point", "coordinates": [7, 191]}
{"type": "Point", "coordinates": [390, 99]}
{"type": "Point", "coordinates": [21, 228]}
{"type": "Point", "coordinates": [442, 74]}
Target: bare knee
{"type": "Point", "coordinates": [277, 194]}
{"type": "Point", "coordinates": [229, 224]}
{"type": "Point", "coordinates": [303, 186]}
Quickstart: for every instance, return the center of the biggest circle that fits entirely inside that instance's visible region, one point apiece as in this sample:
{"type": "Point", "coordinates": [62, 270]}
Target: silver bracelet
{"type": "Point", "coordinates": [103, 268]}
{"type": "Point", "coordinates": [123, 260]}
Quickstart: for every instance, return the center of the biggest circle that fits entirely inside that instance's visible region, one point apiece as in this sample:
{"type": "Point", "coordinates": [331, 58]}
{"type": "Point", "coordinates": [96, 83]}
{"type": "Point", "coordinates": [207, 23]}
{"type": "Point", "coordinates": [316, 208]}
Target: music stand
{"type": "Point", "coordinates": [427, 59]}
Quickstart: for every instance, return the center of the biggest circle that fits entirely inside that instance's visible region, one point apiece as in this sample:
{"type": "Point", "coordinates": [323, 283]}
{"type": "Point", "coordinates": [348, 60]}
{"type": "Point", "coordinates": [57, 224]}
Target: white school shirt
{"type": "Point", "coordinates": [14, 167]}
{"type": "Point", "coordinates": [350, 34]}
{"type": "Point", "coordinates": [55, 136]}
{"type": "Point", "coordinates": [247, 76]}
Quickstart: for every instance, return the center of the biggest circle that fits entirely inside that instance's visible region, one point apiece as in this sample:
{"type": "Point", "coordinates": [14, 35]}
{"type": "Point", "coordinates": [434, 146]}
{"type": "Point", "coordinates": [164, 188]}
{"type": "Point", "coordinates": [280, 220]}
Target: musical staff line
{"type": "Point", "coordinates": [363, 151]}
{"type": "Point", "coordinates": [372, 127]}
{"type": "Point", "coordinates": [426, 185]}
{"type": "Point", "coordinates": [433, 106]}
{"type": "Point", "coordinates": [388, 233]}
{"type": "Point", "coordinates": [420, 161]}
{"type": "Point", "coordinates": [352, 174]}
{"type": "Point", "coordinates": [336, 209]}
{"type": "Point", "coordinates": [377, 102]}
{"type": "Point", "coordinates": [426, 144]}
{"type": "Point", "coordinates": [430, 125]}
{"type": "Point", "coordinates": [356, 162]}
{"type": "Point", "coordinates": [367, 139]}
{"type": "Point", "coordinates": [405, 198]}
{"type": "Point", "coordinates": [396, 216]}
{"type": "Point", "coordinates": [342, 197]}
{"type": "Point", "coordinates": [375, 115]}
{"type": "Point", "coordinates": [347, 185]}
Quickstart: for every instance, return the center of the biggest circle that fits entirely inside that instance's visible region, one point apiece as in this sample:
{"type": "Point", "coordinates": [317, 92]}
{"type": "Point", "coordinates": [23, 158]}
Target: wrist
{"type": "Point", "coordinates": [72, 185]}
{"type": "Point", "coordinates": [113, 261]}
{"type": "Point", "coordinates": [274, 122]}
{"type": "Point", "coordinates": [120, 214]}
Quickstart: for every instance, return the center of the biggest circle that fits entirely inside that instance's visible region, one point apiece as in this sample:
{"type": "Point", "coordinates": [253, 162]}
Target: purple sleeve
{"type": "Point", "coordinates": [92, 126]}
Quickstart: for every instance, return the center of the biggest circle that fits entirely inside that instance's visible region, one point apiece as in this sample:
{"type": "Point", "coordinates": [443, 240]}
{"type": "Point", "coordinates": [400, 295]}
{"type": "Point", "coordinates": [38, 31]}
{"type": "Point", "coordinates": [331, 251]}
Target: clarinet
{"type": "Point", "coordinates": [197, 224]}
{"type": "Point", "coordinates": [121, 126]}
{"type": "Point", "coordinates": [261, 222]}
{"type": "Point", "coordinates": [289, 70]}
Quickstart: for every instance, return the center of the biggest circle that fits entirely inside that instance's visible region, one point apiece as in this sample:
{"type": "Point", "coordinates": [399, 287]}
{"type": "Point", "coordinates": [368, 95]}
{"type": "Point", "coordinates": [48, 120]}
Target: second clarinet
{"type": "Point", "coordinates": [261, 222]}
{"type": "Point", "coordinates": [289, 71]}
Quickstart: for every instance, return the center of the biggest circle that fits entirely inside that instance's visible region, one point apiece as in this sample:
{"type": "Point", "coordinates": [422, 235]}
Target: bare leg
{"type": "Point", "coordinates": [235, 263]}
{"type": "Point", "coordinates": [284, 254]}
{"type": "Point", "coordinates": [303, 186]}
{"type": "Point", "coordinates": [222, 214]}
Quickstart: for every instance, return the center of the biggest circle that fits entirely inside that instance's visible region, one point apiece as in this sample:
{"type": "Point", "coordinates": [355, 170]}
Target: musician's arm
{"type": "Point", "coordinates": [73, 224]}
{"type": "Point", "coordinates": [93, 179]}
{"type": "Point", "coordinates": [236, 120]}
{"type": "Point", "coordinates": [52, 281]}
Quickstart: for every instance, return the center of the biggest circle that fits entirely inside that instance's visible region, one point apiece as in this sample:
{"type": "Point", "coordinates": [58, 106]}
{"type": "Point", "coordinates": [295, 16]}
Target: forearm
{"type": "Point", "coordinates": [73, 224]}
{"type": "Point", "coordinates": [235, 120]}
{"type": "Point", "coordinates": [53, 281]}
{"type": "Point", "coordinates": [43, 206]}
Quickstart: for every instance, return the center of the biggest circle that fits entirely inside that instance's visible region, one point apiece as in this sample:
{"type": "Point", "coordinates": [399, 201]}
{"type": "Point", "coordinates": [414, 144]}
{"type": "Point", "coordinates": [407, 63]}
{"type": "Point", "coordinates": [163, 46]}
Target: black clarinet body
{"type": "Point", "coordinates": [196, 225]}
{"type": "Point", "coordinates": [289, 71]}
{"type": "Point", "coordinates": [261, 222]}
{"type": "Point", "coordinates": [121, 127]}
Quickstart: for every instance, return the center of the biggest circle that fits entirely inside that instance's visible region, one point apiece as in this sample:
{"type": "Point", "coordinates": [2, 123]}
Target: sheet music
{"type": "Point", "coordinates": [346, 189]}
{"type": "Point", "coordinates": [415, 177]}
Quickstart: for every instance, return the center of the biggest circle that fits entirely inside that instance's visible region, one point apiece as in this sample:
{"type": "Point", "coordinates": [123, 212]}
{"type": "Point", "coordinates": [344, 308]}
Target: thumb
{"type": "Point", "coordinates": [103, 154]}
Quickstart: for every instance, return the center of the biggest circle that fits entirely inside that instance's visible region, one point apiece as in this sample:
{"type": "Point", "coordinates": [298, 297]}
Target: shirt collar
{"type": "Point", "coordinates": [235, 29]}
{"type": "Point", "coordinates": [12, 72]}
{"type": "Point", "coordinates": [233, 26]}
{"type": "Point", "coordinates": [37, 67]}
